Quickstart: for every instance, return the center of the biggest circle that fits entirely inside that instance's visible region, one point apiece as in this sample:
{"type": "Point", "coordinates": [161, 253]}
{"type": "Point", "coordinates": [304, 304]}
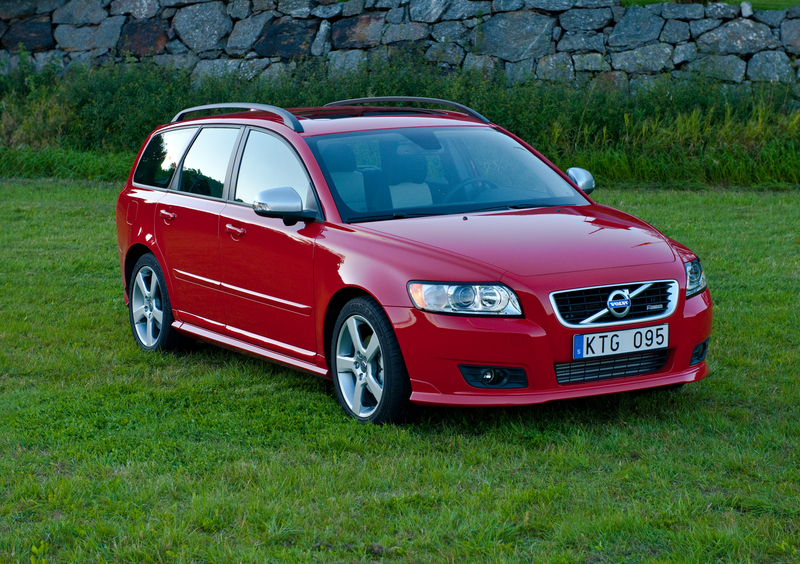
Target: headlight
{"type": "Point", "coordinates": [467, 299]}
{"type": "Point", "coordinates": [695, 277]}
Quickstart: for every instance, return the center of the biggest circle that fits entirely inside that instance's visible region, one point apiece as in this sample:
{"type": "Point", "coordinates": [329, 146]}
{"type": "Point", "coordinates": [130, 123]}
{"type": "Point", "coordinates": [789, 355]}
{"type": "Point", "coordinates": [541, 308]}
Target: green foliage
{"type": "Point", "coordinates": [112, 454]}
{"type": "Point", "coordinates": [673, 133]}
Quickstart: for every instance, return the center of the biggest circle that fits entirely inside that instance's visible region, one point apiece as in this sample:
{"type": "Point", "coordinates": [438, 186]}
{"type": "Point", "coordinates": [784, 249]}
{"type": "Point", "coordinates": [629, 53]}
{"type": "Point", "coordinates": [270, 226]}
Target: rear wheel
{"type": "Point", "coordinates": [369, 374]}
{"type": "Point", "coordinates": [150, 311]}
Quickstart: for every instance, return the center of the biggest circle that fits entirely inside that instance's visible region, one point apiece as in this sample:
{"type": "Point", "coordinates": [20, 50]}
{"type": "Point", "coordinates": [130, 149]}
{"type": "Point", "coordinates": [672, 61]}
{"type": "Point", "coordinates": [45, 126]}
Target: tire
{"type": "Point", "coordinates": [150, 311]}
{"type": "Point", "coordinates": [369, 374]}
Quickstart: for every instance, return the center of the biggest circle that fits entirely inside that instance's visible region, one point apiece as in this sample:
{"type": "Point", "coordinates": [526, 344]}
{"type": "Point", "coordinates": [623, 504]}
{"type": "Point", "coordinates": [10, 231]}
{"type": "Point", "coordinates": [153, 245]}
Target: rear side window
{"type": "Point", "coordinates": [206, 163]}
{"type": "Point", "coordinates": [161, 157]}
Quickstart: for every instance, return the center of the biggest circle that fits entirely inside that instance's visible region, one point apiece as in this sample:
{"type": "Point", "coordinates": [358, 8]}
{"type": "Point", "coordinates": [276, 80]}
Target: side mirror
{"type": "Point", "coordinates": [583, 178]}
{"type": "Point", "coordinates": [283, 202]}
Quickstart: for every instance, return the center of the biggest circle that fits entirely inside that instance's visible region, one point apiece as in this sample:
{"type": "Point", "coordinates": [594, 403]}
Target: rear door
{"type": "Point", "coordinates": [266, 266]}
{"type": "Point", "coordinates": [187, 226]}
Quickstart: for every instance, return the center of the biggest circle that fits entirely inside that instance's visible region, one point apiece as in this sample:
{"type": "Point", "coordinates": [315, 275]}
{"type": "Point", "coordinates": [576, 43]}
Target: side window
{"type": "Point", "coordinates": [161, 157]}
{"type": "Point", "coordinates": [206, 164]}
{"type": "Point", "coordinates": [267, 163]}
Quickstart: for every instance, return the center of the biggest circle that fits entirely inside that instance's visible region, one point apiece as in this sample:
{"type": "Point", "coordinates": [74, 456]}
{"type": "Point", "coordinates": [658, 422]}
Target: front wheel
{"type": "Point", "coordinates": [369, 374]}
{"type": "Point", "coordinates": [150, 311]}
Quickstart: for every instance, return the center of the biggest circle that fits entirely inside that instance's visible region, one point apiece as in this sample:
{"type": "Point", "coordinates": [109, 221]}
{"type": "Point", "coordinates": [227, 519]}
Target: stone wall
{"type": "Point", "coordinates": [556, 40]}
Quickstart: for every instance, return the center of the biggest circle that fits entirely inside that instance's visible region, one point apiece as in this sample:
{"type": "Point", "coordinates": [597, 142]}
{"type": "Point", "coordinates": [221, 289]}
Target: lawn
{"type": "Point", "coordinates": [109, 454]}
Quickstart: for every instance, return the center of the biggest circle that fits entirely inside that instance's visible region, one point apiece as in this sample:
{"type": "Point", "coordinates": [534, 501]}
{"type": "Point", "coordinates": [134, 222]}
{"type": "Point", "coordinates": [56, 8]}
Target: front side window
{"type": "Point", "coordinates": [267, 163]}
{"type": "Point", "coordinates": [206, 164]}
{"type": "Point", "coordinates": [161, 157]}
{"type": "Point", "coordinates": [390, 174]}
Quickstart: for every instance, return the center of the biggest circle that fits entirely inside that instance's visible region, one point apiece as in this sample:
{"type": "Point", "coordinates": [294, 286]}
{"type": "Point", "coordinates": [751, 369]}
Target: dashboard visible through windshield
{"type": "Point", "coordinates": [390, 174]}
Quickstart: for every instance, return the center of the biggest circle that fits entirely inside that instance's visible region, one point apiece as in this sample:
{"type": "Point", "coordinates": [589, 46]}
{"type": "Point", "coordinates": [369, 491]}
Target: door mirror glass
{"type": "Point", "coordinates": [583, 178]}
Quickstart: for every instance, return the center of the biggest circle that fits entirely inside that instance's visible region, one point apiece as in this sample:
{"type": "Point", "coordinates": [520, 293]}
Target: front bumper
{"type": "Point", "coordinates": [434, 346]}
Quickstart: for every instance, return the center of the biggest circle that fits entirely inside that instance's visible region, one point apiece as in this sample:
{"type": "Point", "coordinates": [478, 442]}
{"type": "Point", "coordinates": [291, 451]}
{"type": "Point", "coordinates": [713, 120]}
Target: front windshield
{"type": "Point", "coordinates": [377, 175]}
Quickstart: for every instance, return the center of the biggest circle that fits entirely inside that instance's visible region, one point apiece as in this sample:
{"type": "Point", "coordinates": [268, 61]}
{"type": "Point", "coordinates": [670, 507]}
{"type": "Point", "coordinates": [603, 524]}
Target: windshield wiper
{"type": "Point", "coordinates": [387, 216]}
{"type": "Point", "coordinates": [511, 207]}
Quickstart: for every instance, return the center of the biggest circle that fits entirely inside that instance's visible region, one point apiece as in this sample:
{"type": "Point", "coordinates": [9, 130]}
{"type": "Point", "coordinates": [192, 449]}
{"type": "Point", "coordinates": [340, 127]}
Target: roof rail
{"type": "Point", "coordinates": [288, 118]}
{"type": "Point", "coordinates": [470, 112]}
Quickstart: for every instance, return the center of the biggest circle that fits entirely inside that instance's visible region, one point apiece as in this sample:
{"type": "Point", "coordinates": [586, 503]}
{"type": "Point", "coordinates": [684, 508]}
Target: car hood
{"type": "Point", "coordinates": [539, 241]}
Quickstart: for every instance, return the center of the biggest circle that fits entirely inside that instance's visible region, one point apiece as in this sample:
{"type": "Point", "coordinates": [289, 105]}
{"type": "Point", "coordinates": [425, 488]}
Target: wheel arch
{"type": "Point", "coordinates": [133, 255]}
{"type": "Point", "coordinates": [335, 305]}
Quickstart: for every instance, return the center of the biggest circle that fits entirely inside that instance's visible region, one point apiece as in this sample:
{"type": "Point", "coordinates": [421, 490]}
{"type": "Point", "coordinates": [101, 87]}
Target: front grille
{"type": "Point", "coordinates": [608, 367]}
{"type": "Point", "coordinates": [575, 306]}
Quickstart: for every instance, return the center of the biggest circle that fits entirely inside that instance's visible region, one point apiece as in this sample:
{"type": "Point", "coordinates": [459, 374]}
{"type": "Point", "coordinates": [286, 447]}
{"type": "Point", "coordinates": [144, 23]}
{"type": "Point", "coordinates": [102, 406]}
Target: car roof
{"type": "Point", "coordinates": [341, 117]}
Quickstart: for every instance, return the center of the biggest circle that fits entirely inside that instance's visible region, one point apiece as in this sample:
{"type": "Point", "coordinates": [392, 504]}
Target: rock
{"type": "Point", "coordinates": [177, 48]}
{"type": "Point", "coordinates": [202, 26]}
{"type": "Point", "coordinates": [738, 37]}
{"type": "Point", "coordinates": [396, 16]}
{"type": "Point", "coordinates": [47, 6]}
{"type": "Point", "coordinates": [72, 39]}
{"type": "Point", "coordinates": [684, 53]}
{"type": "Point", "coordinates": [352, 8]}
{"type": "Point", "coordinates": [143, 38]}
{"type": "Point", "coordinates": [617, 13]}
{"type": "Point", "coordinates": [48, 60]}
{"type": "Point", "coordinates": [721, 67]}
{"type": "Point", "coordinates": [414, 31]}
{"type": "Point", "coordinates": [80, 12]}
{"type": "Point", "coordinates": [790, 36]}
{"type": "Point", "coordinates": [246, 32]}
{"type": "Point", "coordinates": [168, 13]}
{"type": "Point", "coordinates": [770, 66]}
{"type": "Point", "coordinates": [613, 81]}
{"type": "Point", "coordinates": [276, 72]}
{"type": "Point", "coordinates": [186, 61]}
{"type": "Point", "coordinates": [450, 32]}
{"type": "Point", "coordinates": [286, 38]}
{"type": "Point", "coordinates": [519, 73]}
{"type": "Point", "coordinates": [35, 34]}
{"type": "Point", "coordinates": [585, 20]}
{"type": "Point", "coordinates": [655, 9]}
{"type": "Point", "coordinates": [721, 10]}
{"type": "Point", "coordinates": [239, 9]}
{"type": "Point", "coordinates": [215, 69]}
{"type": "Point", "coordinates": [637, 27]}
{"type": "Point", "coordinates": [140, 9]}
{"type": "Point", "coordinates": [327, 12]}
{"type": "Point", "coordinates": [463, 9]}
{"type": "Point", "coordinates": [13, 9]}
{"type": "Point", "coordinates": [793, 13]}
{"type": "Point", "coordinates": [557, 31]}
{"type": "Point", "coordinates": [773, 18]}
{"type": "Point", "coordinates": [361, 32]}
{"type": "Point", "coordinates": [581, 43]}
{"type": "Point", "coordinates": [448, 53]}
{"type": "Point", "coordinates": [322, 42]}
{"type": "Point", "coordinates": [251, 68]}
{"type": "Point", "coordinates": [683, 11]}
{"type": "Point", "coordinates": [341, 63]}
{"type": "Point", "coordinates": [699, 27]}
{"type": "Point", "coordinates": [556, 67]}
{"type": "Point", "coordinates": [210, 55]}
{"type": "Point", "coordinates": [260, 5]}
{"type": "Point", "coordinates": [390, 4]}
{"type": "Point", "coordinates": [596, 3]}
{"type": "Point", "coordinates": [650, 58]}
{"type": "Point", "coordinates": [482, 64]}
{"type": "Point", "coordinates": [295, 8]}
{"type": "Point", "coordinates": [675, 31]}
{"type": "Point", "coordinates": [3, 30]}
{"type": "Point", "coordinates": [747, 9]}
{"type": "Point", "coordinates": [549, 5]}
{"type": "Point", "coordinates": [507, 5]}
{"type": "Point", "coordinates": [428, 11]}
{"type": "Point", "coordinates": [514, 36]}
{"type": "Point", "coordinates": [590, 62]}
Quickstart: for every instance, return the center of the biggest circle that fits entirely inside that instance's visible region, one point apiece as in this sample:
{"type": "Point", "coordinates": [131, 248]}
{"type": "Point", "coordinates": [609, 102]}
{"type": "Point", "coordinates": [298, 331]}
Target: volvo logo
{"type": "Point", "coordinates": [619, 303]}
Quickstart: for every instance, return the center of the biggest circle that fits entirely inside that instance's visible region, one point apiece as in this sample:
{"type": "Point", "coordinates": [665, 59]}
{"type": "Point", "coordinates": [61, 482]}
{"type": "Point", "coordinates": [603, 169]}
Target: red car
{"type": "Point", "coordinates": [409, 254]}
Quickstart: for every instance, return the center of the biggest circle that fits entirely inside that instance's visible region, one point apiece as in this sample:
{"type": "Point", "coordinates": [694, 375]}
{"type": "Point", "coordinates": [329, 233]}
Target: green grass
{"type": "Point", "coordinates": [757, 4]}
{"type": "Point", "coordinates": [110, 454]}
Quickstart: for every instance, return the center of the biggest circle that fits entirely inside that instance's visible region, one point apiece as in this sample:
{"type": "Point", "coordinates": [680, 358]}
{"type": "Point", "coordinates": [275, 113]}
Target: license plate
{"type": "Point", "coordinates": [620, 342]}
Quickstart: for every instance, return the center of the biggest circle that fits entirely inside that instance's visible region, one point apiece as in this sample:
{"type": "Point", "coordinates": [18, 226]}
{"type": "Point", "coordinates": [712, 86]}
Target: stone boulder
{"type": "Point", "coordinates": [341, 63]}
{"type": "Point", "coordinates": [143, 38]}
{"type": "Point", "coordinates": [773, 18]}
{"type": "Point", "coordinates": [139, 9]}
{"type": "Point", "coordinates": [770, 66]}
{"type": "Point", "coordinates": [80, 12]}
{"type": "Point", "coordinates": [295, 8]}
{"type": "Point", "coordinates": [360, 32]}
{"type": "Point", "coordinates": [507, 5]}
{"type": "Point", "coordinates": [450, 32]}
{"type": "Point", "coordinates": [550, 5]}
{"type": "Point", "coordinates": [448, 53]}
{"type": "Point", "coordinates": [699, 27]}
{"type": "Point", "coordinates": [35, 34]}
{"type": "Point", "coordinates": [556, 67]}
{"type": "Point", "coordinates": [246, 32]}
{"type": "Point", "coordinates": [464, 9]}
{"type": "Point", "coordinates": [13, 9]}
{"type": "Point", "coordinates": [202, 26]}
{"type": "Point", "coordinates": [721, 10]}
{"type": "Point", "coordinates": [684, 53]}
{"type": "Point", "coordinates": [104, 37]}
{"type": "Point", "coordinates": [592, 62]}
{"type": "Point", "coordinates": [514, 36]}
{"type": "Point", "coordinates": [322, 42]}
{"type": "Point", "coordinates": [738, 37]}
{"type": "Point", "coordinates": [637, 27]}
{"type": "Point", "coordinates": [674, 32]}
{"type": "Point", "coordinates": [790, 36]}
{"type": "Point", "coordinates": [414, 31]}
{"type": "Point", "coordinates": [581, 42]}
{"type": "Point", "coordinates": [428, 11]}
{"type": "Point", "coordinates": [287, 38]}
{"type": "Point", "coordinates": [683, 11]}
{"type": "Point", "coordinates": [585, 20]}
{"type": "Point", "coordinates": [721, 67]}
{"type": "Point", "coordinates": [650, 58]}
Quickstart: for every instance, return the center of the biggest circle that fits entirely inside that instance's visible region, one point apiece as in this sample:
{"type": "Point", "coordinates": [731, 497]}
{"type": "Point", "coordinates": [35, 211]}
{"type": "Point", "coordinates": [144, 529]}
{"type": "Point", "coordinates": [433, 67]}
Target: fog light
{"type": "Point", "coordinates": [488, 376]}
{"type": "Point", "coordinates": [699, 353]}
{"type": "Point", "coordinates": [496, 377]}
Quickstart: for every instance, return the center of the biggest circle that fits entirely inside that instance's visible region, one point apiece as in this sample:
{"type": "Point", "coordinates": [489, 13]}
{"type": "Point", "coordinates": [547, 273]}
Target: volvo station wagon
{"type": "Point", "coordinates": [412, 254]}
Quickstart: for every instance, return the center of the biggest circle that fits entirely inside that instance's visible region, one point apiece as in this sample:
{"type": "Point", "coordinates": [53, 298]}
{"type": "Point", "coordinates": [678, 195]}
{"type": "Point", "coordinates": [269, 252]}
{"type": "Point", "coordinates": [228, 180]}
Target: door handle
{"type": "Point", "coordinates": [235, 230]}
{"type": "Point", "coordinates": [167, 215]}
